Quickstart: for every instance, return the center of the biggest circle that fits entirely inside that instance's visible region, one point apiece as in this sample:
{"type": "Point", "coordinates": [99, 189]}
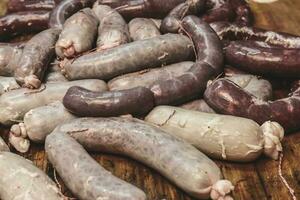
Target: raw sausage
{"type": "Point", "coordinates": [16, 103]}
{"type": "Point", "coordinates": [135, 56]}
{"type": "Point", "coordinates": [29, 5]}
{"type": "Point", "coordinates": [177, 160]}
{"type": "Point", "coordinates": [220, 136]}
{"type": "Point", "coordinates": [142, 28]}
{"type": "Point", "coordinates": [113, 30]}
{"type": "Point", "coordinates": [78, 34]}
{"type": "Point", "coordinates": [137, 101]}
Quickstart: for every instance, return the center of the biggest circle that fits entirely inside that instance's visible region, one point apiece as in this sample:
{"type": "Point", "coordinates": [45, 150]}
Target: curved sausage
{"type": "Point", "coordinates": [82, 102]}
{"type": "Point", "coordinates": [147, 77]}
{"type": "Point", "coordinates": [220, 136]}
{"type": "Point", "coordinates": [23, 22]}
{"type": "Point", "coordinates": [177, 160]}
{"type": "Point", "coordinates": [113, 30]}
{"type": "Point", "coordinates": [37, 124]}
{"type": "Point", "coordinates": [277, 62]}
{"type": "Point", "coordinates": [142, 8]}
{"type": "Point", "coordinates": [3, 146]}
{"type": "Point", "coordinates": [65, 9]}
{"type": "Point", "coordinates": [172, 22]}
{"type": "Point", "coordinates": [231, 31]}
{"type": "Point", "coordinates": [36, 55]}
{"type": "Point", "coordinates": [78, 34]}
{"type": "Point", "coordinates": [142, 28]}
{"type": "Point", "coordinates": [94, 181]}
{"type": "Point", "coordinates": [131, 57]}
{"type": "Point", "coordinates": [226, 97]}
{"type": "Point", "coordinates": [209, 64]}
{"type": "Point", "coordinates": [29, 5]}
{"type": "Point", "coordinates": [21, 179]}
{"type": "Point", "coordinates": [16, 103]}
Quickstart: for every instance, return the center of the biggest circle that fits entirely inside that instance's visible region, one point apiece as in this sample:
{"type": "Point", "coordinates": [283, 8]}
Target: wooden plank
{"type": "Point", "coordinates": [268, 170]}
{"type": "Point", "coordinates": [245, 179]}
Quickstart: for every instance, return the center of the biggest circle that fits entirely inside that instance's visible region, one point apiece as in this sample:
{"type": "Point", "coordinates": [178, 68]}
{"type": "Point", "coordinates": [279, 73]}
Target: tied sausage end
{"type": "Point", "coordinates": [273, 134]}
{"type": "Point", "coordinates": [17, 138]}
{"type": "Point", "coordinates": [221, 189]}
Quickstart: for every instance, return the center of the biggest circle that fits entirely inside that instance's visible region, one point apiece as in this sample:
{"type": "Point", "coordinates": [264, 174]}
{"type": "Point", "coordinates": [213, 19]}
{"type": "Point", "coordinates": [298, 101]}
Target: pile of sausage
{"type": "Point", "coordinates": [170, 84]}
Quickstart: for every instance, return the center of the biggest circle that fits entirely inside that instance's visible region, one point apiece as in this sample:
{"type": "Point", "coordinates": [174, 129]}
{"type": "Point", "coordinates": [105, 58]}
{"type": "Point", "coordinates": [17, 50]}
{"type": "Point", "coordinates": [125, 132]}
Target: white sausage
{"type": "Point", "coordinates": [21, 180]}
{"type": "Point", "coordinates": [14, 104]}
{"type": "Point", "coordinates": [220, 136]}
{"type": "Point", "coordinates": [40, 122]}
{"type": "Point", "coordinates": [7, 84]}
{"type": "Point", "coordinates": [177, 160]}
{"type": "Point", "coordinates": [83, 175]}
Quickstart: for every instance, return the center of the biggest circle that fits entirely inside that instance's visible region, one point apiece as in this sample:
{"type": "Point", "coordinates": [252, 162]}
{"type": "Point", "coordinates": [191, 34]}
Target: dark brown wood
{"type": "Point", "coordinates": [253, 181]}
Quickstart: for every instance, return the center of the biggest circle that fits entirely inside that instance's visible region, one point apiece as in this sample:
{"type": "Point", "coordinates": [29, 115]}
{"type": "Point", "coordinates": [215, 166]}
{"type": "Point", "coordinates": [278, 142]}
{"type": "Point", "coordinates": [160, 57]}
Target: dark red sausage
{"type": "Point", "coordinates": [227, 98]}
{"type": "Point", "coordinates": [82, 102]}
{"type": "Point", "coordinates": [29, 5]}
{"type": "Point", "coordinates": [142, 8]}
{"type": "Point", "coordinates": [209, 64]}
{"type": "Point", "coordinates": [256, 59]}
{"type": "Point", "coordinates": [23, 22]}
{"type": "Point", "coordinates": [171, 23]}
{"type": "Point", "coordinates": [206, 42]}
{"type": "Point", "coordinates": [65, 9]}
{"type": "Point", "coordinates": [230, 31]}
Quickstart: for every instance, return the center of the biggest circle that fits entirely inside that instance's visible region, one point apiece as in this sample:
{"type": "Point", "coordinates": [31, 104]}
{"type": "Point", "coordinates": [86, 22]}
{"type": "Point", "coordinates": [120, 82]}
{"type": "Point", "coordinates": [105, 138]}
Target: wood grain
{"type": "Point", "coordinates": [253, 181]}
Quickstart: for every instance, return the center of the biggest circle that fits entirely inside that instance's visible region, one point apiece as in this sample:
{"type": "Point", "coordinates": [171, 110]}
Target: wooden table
{"type": "Point", "coordinates": [254, 181]}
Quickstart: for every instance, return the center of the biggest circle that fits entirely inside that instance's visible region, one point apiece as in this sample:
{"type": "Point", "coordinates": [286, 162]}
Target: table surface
{"type": "Point", "coordinates": [253, 181]}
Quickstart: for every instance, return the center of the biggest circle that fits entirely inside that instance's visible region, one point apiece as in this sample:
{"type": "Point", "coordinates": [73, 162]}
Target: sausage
{"type": "Point", "coordinates": [8, 84]}
{"type": "Point", "coordinates": [64, 153]}
{"type": "Point", "coordinates": [131, 57]}
{"type": "Point", "coordinates": [243, 12]}
{"type": "Point", "coordinates": [35, 58]}
{"type": "Point", "coordinates": [3, 145]}
{"type": "Point", "coordinates": [277, 62]}
{"type": "Point", "coordinates": [230, 31]}
{"type": "Point", "coordinates": [23, 22]}
{"type": "Point", "coordinates": [29, 5]}
{"type": "Point", "coordinates": [221, 10]}
{"type": "Point", "coordinates": [82, 102]}
{"type": "Point", "coordinates": [65, 9]}
{"type": "Point", "coordinates": [78, 34]}
{"type": "Point", "coordinates": [113, 30]}
{"type": "Point", "coordinates": [16, 103]}
{"type": "Point", "coordinates": [142, 8]}
{"type": "Point", "coordinates": [209, 64]}
{"type": "Point", "coordinates": [147, 77]}
{"type": "Point", "coordinates": [220, 136]}
{"type": "Point", "coordinates": [256, 86]}
{"type": "Point", "coordinates": [172, 22]}
{"type": "Point", "coordinates": [177, 160]}
{"type": "Point", "coordinates": [21, 179]}
{"type": "Point", "coordinates": [142, 28]}
{"type": "Point", "coordinates": [227, 98]}
{"type": "Point", "coordinates": [37, 124]}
